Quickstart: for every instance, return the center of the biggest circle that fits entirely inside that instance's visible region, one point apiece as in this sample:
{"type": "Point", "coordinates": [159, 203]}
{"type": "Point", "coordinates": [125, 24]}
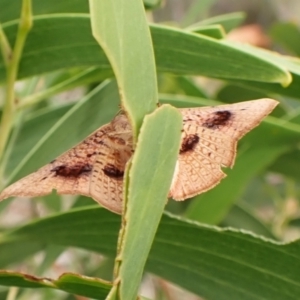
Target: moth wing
{"type": "Point", "coordinates": [72, 172]}
{"type": "Point", "coordinates": [209, 141]}
{"type": "Point", "coordinates": [109, 167]}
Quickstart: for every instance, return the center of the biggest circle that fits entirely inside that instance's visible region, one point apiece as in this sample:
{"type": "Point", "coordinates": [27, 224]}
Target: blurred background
{"type": "Point", "coordinates": [270, 204]}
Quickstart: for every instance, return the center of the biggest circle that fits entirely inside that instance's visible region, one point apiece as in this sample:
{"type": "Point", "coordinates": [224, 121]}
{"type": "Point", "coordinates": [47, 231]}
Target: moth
{"type": "Point", "coordinates": [95, 167]}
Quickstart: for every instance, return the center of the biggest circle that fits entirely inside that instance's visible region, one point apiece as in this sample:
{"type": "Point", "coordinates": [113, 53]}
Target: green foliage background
{"type": "Point", "coordinates": [229, 243]}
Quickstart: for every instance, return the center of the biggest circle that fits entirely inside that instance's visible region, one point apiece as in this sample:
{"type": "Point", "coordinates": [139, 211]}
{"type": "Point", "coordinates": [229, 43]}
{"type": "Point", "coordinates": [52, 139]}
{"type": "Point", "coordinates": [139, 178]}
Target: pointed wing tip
{"type": "Point", "coordinates": [269, 103]}
{"type": "Point", "coordinates": [6, 193]}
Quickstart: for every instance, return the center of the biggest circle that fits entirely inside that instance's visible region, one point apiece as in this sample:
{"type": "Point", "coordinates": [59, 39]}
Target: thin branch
{"type": "Point", "coordinates": [5, 47]}
{"type": "Point", "coordinates": [12, 72]}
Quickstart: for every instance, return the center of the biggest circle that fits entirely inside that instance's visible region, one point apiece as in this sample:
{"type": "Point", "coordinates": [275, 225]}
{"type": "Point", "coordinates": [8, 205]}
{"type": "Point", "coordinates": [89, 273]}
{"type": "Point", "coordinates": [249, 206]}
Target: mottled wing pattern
{"type": "Point", "coordinates": [108, 171]}
{"type": "Point", "coordinates": [76, 171]}
{"type": "Point", "coordinates": [95, 167]}
{"type": "Point", "coordinates": [208, 142]}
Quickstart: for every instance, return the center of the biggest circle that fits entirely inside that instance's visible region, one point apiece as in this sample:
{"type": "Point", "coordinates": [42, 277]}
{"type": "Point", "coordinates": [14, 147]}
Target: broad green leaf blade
{"type": "Point", "coordinates": [150, 178]}
{"type": "Point", "coordinates": [15, 252]}
{"type": "Point", "coordinates": [262, 146]}
{"type": "Point", "coordinates": [10, 10]}
{"type": "Point", "coordinates": [83, 285]}
{"type": "Point", "coordinates": [287, 35]}
{"type": "Point", "coordinates": [231, 93]}
{"type": "Point", "coordinates": [288, 164]}
{"type": "Point", "coordinates": [182, 101]}
{"type": "Point", "coordinates": [84, 77]}
{"type": "Point", "coordinates": [97, 108]}
{"type": "Point", "coordinates": [289, 63]}
{"type": "Point", "coordinates": [213, 31]}
{"type": "Point", "coordinates": [176, 51]}
{"type": "Point", "coordinates": [33, 129]}
{"type": "Point", "coordinates": [122, 31]}
{"type": "Point", "coordinates": [76, 284]}
{"type": "Point", "coordinates": [242, 218]}
{"type": "Point", "coordinates": [228, 263]}
{"type": "Point", "coordinates": [197, 9]}
{"type": "Point", "coordinates": [180, 85]}
{"type": "Point", "coordinates": [227, 21]}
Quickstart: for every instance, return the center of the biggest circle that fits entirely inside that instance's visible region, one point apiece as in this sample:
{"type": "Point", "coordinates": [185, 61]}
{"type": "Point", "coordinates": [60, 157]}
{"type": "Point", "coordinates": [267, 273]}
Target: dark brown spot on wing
{"type": "Point", "coordinates": [220, 118]}
{"type": "Point", "coordinates": [72, 171]}
{"type": "Point", "coordinates": [91, 154]}
{"type": "Point", "coordinates": [189, 143]}
{"type": "Point", "coordinates": [112, 171]}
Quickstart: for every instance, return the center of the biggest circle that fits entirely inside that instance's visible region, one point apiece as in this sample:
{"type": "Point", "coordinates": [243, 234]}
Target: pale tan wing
{"type": "Point", "coordinates": [70, 173]}
{"type": "Point", "coordinates": [108, 172]}
{"type": "Point", "coordinates": [208, 142]}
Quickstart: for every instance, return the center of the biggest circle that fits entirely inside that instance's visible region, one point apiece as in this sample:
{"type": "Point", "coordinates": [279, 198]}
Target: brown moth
{"type": "Point", "coordinates": [95, 167]}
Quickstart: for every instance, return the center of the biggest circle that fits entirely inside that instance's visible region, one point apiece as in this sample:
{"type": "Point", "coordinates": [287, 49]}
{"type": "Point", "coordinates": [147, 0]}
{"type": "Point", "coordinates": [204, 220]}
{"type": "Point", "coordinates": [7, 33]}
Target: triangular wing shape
{"type": "Point", "coordinates": [209, 139]}
{"type": "Point", "coordinates": [75, 171]}
{"type": "Point", "coordinates": [95, 167]}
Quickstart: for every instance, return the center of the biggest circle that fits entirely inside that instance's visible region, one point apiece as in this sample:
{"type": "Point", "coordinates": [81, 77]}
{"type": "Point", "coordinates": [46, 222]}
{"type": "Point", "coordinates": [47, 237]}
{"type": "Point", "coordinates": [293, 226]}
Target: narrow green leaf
{"type": "Point", "coordinates": [96, 109]}
{"type": "Point", "coordinates": [231, 93]}
{"type": "Point", "coordinates": [10, 10]}
{"type": "Point", "coordinates": [33, 129]}
{"type": "Point", "coordinates": [71, 283]}
{"type": "Point", "coordinates": [228, 263]}
{"type": "Point", "coordinates": [240, 217]}
{"type": "Point", "coordinates": [288, 164]}
{"type": "Point", "coordinates": [227, 21]}
{"type": "Point", "coordinates": [122, 31]}
{"type": "Point", "coordinates": [180, 85]}
{"type": "Point", "coordinates": [182, 101]}
{"type": "Point", "coordinates": [149, 182]}
{"type": "Point", "coordinates": [287, 35]}
{"type": "Point", "coordinates": [176, 51]}
{"type": "Point", "coordinates": [15, 252]}
{"type": "Point", "coordinates": [198, 9]}
{"type": "Point", "coordinates": [213, 31]}
{"type": "Point", "coordinates": [87, 76]}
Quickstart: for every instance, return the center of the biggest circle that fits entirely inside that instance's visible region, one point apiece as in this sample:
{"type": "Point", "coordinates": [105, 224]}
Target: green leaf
{"type": "Point", "coordinates": [231, 93]}
{"type": "Point", "coordinates": [180, 85]}
{"type": "Point", "coordinates": [288, 164]}
{"type": "Point", "coordinates": [34, 128]}
{"type": "Point", "coordinates": [262, 146]}
{"type": "Point", "coordinates": [95, 109]}
{"type": "Point", "coordinates": [240, 217]}
{"type": "Point", "coordinates": [149, 182]}
{"type": "Point", "coordinates": [71, 283]}
{"type": "Point", "coordinates": [227, 21]}
{"type": "Point", "coordinates": [198, 9]}
{"type": "Point", "coordinates": [10, 10]}
{"type": "Point", "coordinates": [61, 84]}
{"type": "Point", "coordinates": [176, 51]}
{"type": "Point", "coordinates": [287, 35]}
{"type": "Point", "coordinates": [213, 31]}
{"type": "Point", "coordinates": [182, 101]}
{"type": "Point", "coordinates": [227, 262]}
{"type": "Point", "coordinates": [123, 33]}
{"type": "Point", "coordinates": [14, 252]}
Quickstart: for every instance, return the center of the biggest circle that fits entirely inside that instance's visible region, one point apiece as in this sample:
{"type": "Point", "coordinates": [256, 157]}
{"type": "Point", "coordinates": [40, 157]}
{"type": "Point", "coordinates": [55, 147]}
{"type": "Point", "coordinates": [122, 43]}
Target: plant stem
{"type": "Point", "coordinates": [5, 47]}
{"type": "Point", "coordinates": [12, 72]}
{"type": "Point", "coordinates": [12, 293]}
